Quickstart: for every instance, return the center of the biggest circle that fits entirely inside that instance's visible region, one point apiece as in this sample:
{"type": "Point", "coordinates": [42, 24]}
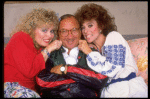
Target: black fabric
{"type": "Point", "coordinates": [83, 86]}
{"type": "Point", "coordinates": [77, 90]}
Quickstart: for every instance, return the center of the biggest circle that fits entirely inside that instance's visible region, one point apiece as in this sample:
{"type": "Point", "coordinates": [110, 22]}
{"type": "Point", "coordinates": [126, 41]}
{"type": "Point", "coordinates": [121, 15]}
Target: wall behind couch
{"type": "Point", "coordinates": [131, 17]}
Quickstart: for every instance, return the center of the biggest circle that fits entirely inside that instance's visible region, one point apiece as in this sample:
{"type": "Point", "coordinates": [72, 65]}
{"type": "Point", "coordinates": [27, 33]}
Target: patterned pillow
{"type": "Point", "coordinates": [139, 49]}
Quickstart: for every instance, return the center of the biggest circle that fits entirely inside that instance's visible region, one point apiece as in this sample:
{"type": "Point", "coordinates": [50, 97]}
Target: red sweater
{"type": "Point", "coordinates": [22, 61]}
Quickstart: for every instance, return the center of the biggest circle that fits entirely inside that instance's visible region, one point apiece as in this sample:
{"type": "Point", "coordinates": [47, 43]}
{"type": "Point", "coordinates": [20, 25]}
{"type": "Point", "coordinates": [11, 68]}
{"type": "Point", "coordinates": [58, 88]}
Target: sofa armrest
{"type": "Point", "coordinates": [139, 49]}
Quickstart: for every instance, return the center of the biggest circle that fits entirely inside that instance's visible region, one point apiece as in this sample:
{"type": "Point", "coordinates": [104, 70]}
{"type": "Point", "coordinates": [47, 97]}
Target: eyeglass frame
{"type": "Point", "coordinates": [68, 31]}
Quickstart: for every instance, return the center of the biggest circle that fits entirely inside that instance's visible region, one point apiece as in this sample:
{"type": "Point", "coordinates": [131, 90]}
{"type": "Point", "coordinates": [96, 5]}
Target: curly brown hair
{"type": "Point", "coordinates": [32, 20]}
{"type": "Point", "coordinates": [99, 13]}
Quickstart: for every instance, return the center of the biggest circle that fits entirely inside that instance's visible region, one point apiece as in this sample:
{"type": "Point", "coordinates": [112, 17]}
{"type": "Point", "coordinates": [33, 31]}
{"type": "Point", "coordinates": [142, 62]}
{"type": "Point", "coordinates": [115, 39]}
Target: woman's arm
{"type": "Point", "coordinates": [23, 55]}
{"type": "Point", "coordinates": [115, 59]}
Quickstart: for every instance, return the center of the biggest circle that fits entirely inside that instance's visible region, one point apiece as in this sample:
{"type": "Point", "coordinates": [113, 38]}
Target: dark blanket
{"type": "Point", "coordinates": [79, 82]}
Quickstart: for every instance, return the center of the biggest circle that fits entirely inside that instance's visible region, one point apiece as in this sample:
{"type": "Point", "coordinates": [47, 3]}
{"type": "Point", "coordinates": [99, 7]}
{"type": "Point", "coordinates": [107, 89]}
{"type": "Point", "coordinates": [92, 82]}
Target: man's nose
{"type": "Point", "coordinates": [70, 34]}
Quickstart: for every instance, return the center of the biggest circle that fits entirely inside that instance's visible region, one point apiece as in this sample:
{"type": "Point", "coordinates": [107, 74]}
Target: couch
{"type": "Point", "coordinates": [139, 49]}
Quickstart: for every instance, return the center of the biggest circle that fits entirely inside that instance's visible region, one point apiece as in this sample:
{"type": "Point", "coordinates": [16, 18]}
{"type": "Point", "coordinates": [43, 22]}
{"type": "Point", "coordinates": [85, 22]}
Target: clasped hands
{"type": "Point", "coordinates": [84, 47]}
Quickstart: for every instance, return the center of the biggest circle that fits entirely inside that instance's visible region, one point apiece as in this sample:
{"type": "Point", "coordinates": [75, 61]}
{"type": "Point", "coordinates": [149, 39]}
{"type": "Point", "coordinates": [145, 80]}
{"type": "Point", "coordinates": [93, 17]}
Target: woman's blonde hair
{"type": "Point", "coordinates": [36, 18]}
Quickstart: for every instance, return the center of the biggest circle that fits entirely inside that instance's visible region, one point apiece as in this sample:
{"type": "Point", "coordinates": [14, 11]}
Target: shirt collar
{"type": "Point", "coordinates": [75, 49]}
{"type": "Point", "coordinates": [72, 57]}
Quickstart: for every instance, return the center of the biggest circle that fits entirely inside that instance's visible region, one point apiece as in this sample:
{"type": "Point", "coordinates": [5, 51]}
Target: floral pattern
{"type": "Point", "coordinates": [139, 49]}
{"type": "Point", "coordinates": [14, 90]}
{"type": "Point", "coordinates": [142, 63]}
{"type": "Point", "coordinates": [115, 54]}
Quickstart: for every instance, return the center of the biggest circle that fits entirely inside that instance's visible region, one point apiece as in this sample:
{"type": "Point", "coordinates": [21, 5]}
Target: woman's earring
{"type": "Point", "coordinates": [100, 31]}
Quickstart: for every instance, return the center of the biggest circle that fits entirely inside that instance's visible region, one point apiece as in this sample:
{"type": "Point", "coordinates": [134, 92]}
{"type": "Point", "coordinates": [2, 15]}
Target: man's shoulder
{"type": "Point", "coordinates": [54, 53]}
{"type": "Point", "coordinates": [57, 57]}
{"type": "Point", "coordinates": [57, 52]}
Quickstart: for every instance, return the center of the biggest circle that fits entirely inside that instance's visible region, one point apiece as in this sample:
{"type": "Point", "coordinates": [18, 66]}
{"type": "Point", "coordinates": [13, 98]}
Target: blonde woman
{"type": "Point", "coordinates": [25, 55]}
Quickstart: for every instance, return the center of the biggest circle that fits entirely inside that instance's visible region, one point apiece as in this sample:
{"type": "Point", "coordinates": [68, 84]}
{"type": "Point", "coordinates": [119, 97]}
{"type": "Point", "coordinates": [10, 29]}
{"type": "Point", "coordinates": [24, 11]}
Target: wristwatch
{"type": "Point", "coordinates": [46, 52]}
{"type": "Point", "coordinates": [62, 69]}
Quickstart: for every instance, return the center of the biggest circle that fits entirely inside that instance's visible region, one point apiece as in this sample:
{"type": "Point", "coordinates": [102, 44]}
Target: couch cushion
{"type": "Point", "coordinates": [139, 49]}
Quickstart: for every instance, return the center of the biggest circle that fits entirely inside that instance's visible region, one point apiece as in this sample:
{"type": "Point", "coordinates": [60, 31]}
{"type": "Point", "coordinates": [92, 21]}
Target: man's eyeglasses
{"type": "Point", "coordinates": [65, 32]}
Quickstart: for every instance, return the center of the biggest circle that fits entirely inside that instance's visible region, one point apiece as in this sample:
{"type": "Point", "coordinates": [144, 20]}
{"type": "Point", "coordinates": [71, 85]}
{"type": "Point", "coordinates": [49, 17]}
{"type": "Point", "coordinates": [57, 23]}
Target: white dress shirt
{"type": "Point", "coordinates": [71, 59]}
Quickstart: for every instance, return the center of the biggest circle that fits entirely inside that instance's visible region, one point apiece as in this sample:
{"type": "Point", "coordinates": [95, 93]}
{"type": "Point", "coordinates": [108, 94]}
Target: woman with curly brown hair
{"type": "Point", "coordinates": [23, 55]}
{"type": "Point", "coordinates": [114, 58]}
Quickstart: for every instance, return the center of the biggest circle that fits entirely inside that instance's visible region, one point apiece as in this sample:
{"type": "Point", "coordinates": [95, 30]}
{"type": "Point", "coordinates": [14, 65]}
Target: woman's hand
{"type": "Point", "coordinates": [84, 47]}
{"type": "Point", "coordinates": [56, 69]}
{"type": "Point", "coordinates": [55, 45]}
{"type": "Point", "coordinates": [92, 46]}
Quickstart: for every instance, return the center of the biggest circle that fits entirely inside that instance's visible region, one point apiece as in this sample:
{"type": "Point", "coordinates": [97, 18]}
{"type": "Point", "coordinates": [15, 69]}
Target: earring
{"type": "Point", "coordinates": [100, 31]}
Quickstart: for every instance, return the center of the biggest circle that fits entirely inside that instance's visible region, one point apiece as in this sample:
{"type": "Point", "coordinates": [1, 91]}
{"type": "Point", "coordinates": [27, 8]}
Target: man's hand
{"type": "Point", "coordinates": [56, 69]}
{"type": "Point", "coordinates": [84, 47]}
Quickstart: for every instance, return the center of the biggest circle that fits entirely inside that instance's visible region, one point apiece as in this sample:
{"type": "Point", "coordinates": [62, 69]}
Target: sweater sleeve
{"type": "Point", "coordinates": [25, 56]}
